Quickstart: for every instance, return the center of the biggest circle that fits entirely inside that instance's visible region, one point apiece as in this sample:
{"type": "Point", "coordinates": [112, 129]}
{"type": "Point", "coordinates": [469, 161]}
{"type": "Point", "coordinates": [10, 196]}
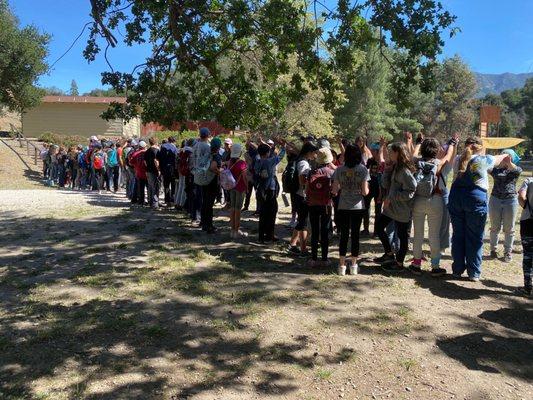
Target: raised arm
{"type": "Point", "coordinates": [450, 153]}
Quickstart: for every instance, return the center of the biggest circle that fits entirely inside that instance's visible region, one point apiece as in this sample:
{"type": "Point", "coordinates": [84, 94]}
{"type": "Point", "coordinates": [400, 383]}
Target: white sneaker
{"type": "Point", "coordinates": [341, 270]}
{"type": "Point", "coordinates": [240, 233]}
{"type": "Point", "coordinates": [354, 269]}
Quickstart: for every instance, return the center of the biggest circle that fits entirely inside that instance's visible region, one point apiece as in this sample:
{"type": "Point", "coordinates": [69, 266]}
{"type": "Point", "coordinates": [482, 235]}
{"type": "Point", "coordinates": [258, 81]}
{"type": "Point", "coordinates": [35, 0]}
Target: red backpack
{"type": "Point", "coordinates": [98, 161]}
{"type": "Point", "coordinates": [184, 163]}
{"type": "Point", "coordinates": [318, 190]}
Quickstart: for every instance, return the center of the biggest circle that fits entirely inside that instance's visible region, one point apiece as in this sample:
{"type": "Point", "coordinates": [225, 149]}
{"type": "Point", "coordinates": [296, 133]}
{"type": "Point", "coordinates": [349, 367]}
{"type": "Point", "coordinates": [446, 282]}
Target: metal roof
{"type": "Point", "coordinates": [83, 99]}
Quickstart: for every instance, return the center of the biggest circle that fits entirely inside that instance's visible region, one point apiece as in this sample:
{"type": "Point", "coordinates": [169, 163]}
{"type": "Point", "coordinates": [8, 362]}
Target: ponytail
{"type": "Point", "coordinates": [473, 146]}
{"type": "Point", "coordinates": [465, 158]}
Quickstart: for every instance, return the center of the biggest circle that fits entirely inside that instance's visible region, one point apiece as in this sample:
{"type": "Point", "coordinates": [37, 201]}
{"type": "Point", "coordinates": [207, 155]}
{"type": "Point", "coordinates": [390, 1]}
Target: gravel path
{"type": "Point", "coordinates": [31, 201]}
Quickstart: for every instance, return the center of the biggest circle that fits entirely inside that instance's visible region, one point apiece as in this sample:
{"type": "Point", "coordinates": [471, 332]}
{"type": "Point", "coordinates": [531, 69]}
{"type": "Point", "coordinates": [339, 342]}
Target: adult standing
{"type": "Point", "coordinates": [503, 205]}
{"type": "Point", "coordinates": [112, 167]}
{"type": "Point", "coordinates": [468, 206]}
{"type": "Point", "coordinates": [211, 189]}
{"type": "Point", "coordinates": [167, 157]}
{"type": "Point", "coordinates": [429, 203]}
{"type": "Point", "coordinates": [400, 184]}
{"type": "Point", "coordinates": [350, 183]}
{"type": "Point", "coordinates": [303, 167]}
{"type": "Point", "coordinates": [152, 173]}
{"type": "Point", "coordinates": [201, 158]}
{"type": "Point", "coordinates": [238, 168]}
{"type": "Point", "coordinates": [137, 162]}
{"type": "Point", "coordinates": [318, 196]}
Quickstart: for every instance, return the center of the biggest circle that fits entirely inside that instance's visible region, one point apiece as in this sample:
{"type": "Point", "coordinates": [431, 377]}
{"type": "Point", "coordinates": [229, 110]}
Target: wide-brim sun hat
{"type": "Point", "coordinates": [324, 156]}
{"type": "Point", "coordinates": [236, 150]}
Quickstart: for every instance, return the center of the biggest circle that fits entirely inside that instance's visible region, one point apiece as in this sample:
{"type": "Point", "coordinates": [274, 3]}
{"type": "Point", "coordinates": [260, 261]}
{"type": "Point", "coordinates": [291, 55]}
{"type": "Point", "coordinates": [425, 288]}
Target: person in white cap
{"type": "Point", "coordinates": [226, 156]}
{"type": "Point", "coordinates": [237, 167]}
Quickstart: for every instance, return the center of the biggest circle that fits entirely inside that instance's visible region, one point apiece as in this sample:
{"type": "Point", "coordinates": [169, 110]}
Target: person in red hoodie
{"type": "Point", "coordinates": [137, 160]}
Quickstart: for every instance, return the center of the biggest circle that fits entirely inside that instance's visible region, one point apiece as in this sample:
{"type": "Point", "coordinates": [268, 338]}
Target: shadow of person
{"type": "Point", "coordinates": [487, 352]}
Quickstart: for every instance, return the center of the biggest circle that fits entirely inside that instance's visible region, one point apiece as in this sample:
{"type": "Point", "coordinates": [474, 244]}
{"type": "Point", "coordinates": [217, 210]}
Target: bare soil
{"type": "Point", "coordinates": [103, 301]}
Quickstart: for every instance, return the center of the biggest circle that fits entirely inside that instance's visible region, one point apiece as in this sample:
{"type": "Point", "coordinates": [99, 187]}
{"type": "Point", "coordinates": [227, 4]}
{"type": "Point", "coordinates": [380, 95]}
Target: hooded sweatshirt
{"type": "Point", "coordinates": [401, 186]}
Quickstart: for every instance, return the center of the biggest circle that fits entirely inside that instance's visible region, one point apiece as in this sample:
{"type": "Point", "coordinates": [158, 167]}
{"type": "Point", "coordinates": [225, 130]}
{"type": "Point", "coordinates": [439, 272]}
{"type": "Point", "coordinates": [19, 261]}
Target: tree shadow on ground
{"type": "Point", "coordinates": [109, 300]}
{"type": "Point", "coordinates": [85, 298]}
{"type": "Point", "coordinates": [485, 350]}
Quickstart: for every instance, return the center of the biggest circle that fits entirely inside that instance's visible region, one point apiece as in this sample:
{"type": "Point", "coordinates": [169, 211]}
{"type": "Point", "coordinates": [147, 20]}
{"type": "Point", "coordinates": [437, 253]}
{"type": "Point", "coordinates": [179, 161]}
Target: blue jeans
{"type": "Point", "coordinates": [468, 213]}
{"type": "Point", "coordinates": [502, 213]}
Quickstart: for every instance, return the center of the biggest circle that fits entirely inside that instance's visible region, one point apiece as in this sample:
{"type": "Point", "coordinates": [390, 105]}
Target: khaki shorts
{"type": "Point", "coordinates": [236, 199]}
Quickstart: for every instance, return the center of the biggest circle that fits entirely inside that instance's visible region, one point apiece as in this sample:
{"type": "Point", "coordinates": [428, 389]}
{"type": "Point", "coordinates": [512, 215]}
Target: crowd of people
{"type": "Point", "coordinates": [329, 192]}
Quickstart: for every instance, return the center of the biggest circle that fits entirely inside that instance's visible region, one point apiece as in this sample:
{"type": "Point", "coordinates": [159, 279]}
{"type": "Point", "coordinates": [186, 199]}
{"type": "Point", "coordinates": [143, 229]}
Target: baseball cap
{"type": "Point", "coordinates": [204, 132]}
{"type": "Point", "coordinates": [236, 150]}
{"type": "Point", "coordinates": [228, 141]}
{"type": "Point", "coordinates": [216, 143]}
{"type": "Point", "coordinates": [142, 144]}
{"type": "Point", "coordinates": [270, 142]}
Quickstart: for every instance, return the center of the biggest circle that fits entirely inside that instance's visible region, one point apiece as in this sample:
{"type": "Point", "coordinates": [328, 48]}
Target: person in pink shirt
{"type": "Point", "coordinates": [238, 168]}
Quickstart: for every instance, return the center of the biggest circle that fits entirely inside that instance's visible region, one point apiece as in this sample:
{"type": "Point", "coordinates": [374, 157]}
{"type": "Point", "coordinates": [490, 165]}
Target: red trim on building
{"type": "Point", "coordinates": [213, 126]}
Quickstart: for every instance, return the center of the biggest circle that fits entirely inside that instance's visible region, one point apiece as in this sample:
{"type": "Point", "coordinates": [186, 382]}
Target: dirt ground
{"type": "Point", "coordinates": [103, 301]}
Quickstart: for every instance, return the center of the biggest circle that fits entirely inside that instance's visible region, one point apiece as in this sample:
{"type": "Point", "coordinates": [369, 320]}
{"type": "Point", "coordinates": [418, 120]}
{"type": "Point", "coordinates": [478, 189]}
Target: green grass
{"type": "Point", "coordinates": [408, 364]}
{"type": "Point", "coordinates": [324, 374]}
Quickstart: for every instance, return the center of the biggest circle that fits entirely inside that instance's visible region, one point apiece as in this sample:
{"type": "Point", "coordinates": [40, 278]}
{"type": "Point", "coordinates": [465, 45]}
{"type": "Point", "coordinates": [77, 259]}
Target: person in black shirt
{"type": "Point", "coordinates": [152, 173]}
{"type": "Point", "coordinates": [210, 191]}
{"type": "Point", "coordinates": [373, 194]}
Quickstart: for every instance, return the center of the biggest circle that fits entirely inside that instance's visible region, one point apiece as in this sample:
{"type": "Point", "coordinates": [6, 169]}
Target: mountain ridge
{"type": "Point", "coordinates": [497, 83]}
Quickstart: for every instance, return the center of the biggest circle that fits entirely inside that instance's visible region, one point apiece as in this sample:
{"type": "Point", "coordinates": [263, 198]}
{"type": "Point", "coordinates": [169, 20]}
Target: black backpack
{"type": "Point", "coordinates": [289, 178]}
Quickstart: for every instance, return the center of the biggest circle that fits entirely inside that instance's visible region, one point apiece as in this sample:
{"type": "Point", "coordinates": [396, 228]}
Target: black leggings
{"type": "Point", "coordinates": [402, 230]}
{"type": "Point", "coordinates": [320, 218]}
{"type": "Point", "coordinates": [267, 214]}
{"type": "Point", "coordinates": [349, 220]}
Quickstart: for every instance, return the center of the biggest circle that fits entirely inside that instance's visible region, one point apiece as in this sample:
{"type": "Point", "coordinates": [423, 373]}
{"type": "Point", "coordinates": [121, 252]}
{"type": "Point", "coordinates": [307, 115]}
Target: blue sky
{"type": "Point", "coordinates": [496, 37]}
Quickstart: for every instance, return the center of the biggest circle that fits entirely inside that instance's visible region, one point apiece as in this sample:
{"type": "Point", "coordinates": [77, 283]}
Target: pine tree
{"type": "Point", "coordinates": [74, 88]}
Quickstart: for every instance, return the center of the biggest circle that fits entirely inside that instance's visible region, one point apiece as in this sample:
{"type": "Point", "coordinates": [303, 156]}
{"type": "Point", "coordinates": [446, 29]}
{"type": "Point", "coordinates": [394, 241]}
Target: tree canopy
{"type": "Point", "coordinates": [223, 58]}
{"type": "Point", "coordinates": [22, 61]}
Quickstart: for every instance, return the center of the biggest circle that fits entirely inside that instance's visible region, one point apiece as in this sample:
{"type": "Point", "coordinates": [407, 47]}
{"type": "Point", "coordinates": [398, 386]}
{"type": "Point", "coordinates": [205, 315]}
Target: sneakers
{"type": "Point", "coordinates": [493, 254]}
{"type": "Point", "coordinates": [354, 269]}
{"type": "Point", "coordinates": [415, 269]}
{"type": "Point", "coordinates": [294, 250]}
{"type": "Point", "coordinates": [341, 270]}
{"type": "Point", "coordinates": [383, 258]}
{"type": "Point", "coordinates": [473, 278]}
{"type": "Point", "coordinates": [393, 267]}
{"type": "Point", "coordinates": [507, 257]}
{"type": "Point", "coordinates": [436, 272]}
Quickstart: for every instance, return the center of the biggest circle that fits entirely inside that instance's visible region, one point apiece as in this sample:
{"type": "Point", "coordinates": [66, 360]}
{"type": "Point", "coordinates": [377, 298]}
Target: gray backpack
{"type": "Point", "coordinates": [426, 179]}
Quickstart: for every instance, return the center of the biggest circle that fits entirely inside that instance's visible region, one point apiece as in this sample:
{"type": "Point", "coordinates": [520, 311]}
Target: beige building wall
{"type": "Point", "coordinates": [132, 128]}
{"type": "Point", "coordinates": [81, 119]}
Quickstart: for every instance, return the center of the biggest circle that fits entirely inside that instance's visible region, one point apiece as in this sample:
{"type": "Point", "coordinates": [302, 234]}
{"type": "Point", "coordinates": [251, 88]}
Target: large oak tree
{"type": "Point", "coordinates": [22, 61]}
{"type": "Point", "coordinates": [222, 58]}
